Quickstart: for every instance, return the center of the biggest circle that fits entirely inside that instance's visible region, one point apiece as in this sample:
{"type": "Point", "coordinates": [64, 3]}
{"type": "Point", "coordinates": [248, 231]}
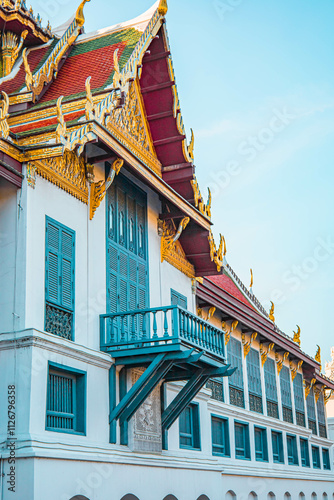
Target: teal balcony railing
{"type": "Point", "coordinates": [160, 327]}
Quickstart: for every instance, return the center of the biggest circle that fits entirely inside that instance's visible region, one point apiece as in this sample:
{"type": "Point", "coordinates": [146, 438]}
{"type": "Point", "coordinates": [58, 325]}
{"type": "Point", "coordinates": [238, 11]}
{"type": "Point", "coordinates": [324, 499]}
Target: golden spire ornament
{"type": "Point", "coordinates": [318, 356]}
{"type": "Point", "coordinates": [79, 15]}
{"type": "Point", "coordinates": [296, 337]}
{"type": "Point", "coordinates": [272, 312]}
{"type": "Point", "coordinates": [163, 7]}
{"type": "Point", "coordinates": [252, 281]}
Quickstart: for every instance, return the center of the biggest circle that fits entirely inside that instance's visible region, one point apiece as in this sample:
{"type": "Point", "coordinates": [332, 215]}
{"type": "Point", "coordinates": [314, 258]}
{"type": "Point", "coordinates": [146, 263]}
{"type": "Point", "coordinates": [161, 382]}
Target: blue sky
{"type": "Point", "coordinates": [256, 84]}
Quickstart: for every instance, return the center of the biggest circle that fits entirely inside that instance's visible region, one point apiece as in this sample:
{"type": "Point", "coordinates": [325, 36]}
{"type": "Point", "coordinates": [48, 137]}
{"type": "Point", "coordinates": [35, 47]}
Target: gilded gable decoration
{"type": "Point", "coordinates": [10, 49]}
{"type": "Point", "coordinates": [99, 189]}
{"type": "Point", "coordinates": [296, 336]}
{"type": "Point", "coordinates": [247, 345]}
{"type": "Point", "coordinates": [264, 352]}
{"type": "Point", "coordinates": [171, 249]}
{"type": "Point", "coordinates": [4, 106]}
{"type": "Point", "coordinates": [68, 172]}
{"type": "Point", "coordinates": [216, 255]}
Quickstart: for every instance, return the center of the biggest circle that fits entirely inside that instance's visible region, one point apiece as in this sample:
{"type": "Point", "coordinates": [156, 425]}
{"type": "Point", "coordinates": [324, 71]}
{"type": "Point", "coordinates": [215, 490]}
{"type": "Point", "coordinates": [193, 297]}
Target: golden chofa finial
{"type": "Point", "coordinates": [191, 145]}
{"type": "Point", "coordinates": [163, 7]}
{"type": "Point", "coordinates": [79, 15]}
{"type": "Point", "coordinates": [296, 336]}
{"type": "Point", "coordinates": [318, 356]}
{"type": "Point", "coordinates": [252, 280]}
{"type": "Point", "coordinates": [272, 312]}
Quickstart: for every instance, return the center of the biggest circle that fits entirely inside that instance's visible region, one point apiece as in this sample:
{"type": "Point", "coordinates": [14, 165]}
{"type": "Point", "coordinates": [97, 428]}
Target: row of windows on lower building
{"type": "Point", "coordinates": [65, 412]}
{"type": "Point", "coordinates": [220, 432]}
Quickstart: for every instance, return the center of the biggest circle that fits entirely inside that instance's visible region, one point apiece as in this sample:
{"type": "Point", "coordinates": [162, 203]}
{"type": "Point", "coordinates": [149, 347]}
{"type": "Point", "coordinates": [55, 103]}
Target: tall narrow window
{"type": "Point", "coordinates": [321, 416]}
{"type": "Point", "coordinates": [316, 457]}
{"type": "Point", "coordinates": [271, 388]}
{"type": "Point", "coordinates": [65, 409]}
{"type": "Point", "coordinates": [220, 436]}
{"type": "Point", "coordinates": [277, 443]}
{"type": "Point", "coordinates": [325, 459]}
{"type": "Point", "coordinates": [298, 390]}
{"type": "Point", "coordinates": [286, 394]}
{"type": "Point", "coordinates": [177, 299]}
{"type": "Point", "coordinates": [292, 450]}
{"type": "Point", "coordinates": [310, 403]}
{"type": "Point", "coordinates": [304, 452]}
{"type": "Point", "coordinates": [261, 445]}
{"type": "Point", "coordinates": [242, 447]}
{"type": "Point", "coordinates": [254, 381]}
{"type": "Point", "coordinates": [236, 382]}
{"type": "Point", "coordinates": [189, 427]}
{"type": "Point", "coordinates": [59, 279]}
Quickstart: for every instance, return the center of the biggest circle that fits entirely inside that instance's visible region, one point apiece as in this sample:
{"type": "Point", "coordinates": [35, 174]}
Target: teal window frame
{"type": "Point", "coordinates": [191, 432]}
{"type": "Point", "coordinates": [220, 447]}
{"type": "Point", "coordinates": [305, 452]}
{"type": "Point", "coordinates": [242, 452]}
{"type": "Point", "coordinates": [261, 444]}
{"type": "Point", "coordinates": [59, 302]}
{"type": "Point", "coordinates": [277, 447]}
{"type": "Point", "coordinates": [291, 442]}
{"type": "Point", "coordinates": [77, 400]}
{"type": "Point", "coordinates": [316, 457]}
{"type": "Point", "coordinates": [177, 299]}
{"type": "Point", "coordinates": [326, 462]}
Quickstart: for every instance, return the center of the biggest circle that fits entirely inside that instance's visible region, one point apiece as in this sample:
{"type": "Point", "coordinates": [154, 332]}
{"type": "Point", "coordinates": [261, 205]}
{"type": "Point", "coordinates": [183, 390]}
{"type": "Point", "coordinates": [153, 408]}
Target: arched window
{"type": "Point", "coordinates": [230, 495]}
{"type": "Point", "coordinates": [271, 496]}
{"type": "Point", "coordinates": [129, 496]}
{"type": "Point", "coordinates": [314, 496]}
{"type": "Point", "coordinates": [170, 497]}
{"type": "Point", "coordinates": [79, 497]}
{"type": "Point", "coordinates": [252, 496]}
{"type": "Point", "coordinates": [287, 496]}
{"type": "Point", "coordinates": [324, 496]}
{"type": "Point", "coordinates": [301, 496]}
{"type": "Point", "coordinates": [203, 497]}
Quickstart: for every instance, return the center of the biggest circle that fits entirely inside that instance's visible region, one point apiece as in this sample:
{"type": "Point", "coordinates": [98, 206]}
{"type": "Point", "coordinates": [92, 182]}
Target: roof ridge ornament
{"type": "Point", "coordinates": [163, 7]}
{"type": "Point", "coordinates": [296, 337]}
{"type": "Point", "coordinates": [191, 146]}
{"type": "Point", "coordinates": [272, 312]}
{"type": "Point", "coordinates": [79, 15]}
{"type": "Point", "coordinates": [251, 282]}
{"type": "Point", "coordinates": [318, 356]}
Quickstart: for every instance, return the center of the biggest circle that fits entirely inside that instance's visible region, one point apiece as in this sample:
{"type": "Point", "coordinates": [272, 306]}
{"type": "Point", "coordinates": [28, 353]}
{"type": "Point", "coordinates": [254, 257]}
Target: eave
{"type": "Point", "coordinates": [10, 169]}
{"type": "Point", "coordinates": [249, 319]}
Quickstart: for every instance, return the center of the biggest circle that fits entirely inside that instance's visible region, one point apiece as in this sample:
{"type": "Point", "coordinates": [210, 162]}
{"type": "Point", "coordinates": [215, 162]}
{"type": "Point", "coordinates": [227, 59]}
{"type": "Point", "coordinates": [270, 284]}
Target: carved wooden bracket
{"type": "Point", "coordinates": [98, 189]}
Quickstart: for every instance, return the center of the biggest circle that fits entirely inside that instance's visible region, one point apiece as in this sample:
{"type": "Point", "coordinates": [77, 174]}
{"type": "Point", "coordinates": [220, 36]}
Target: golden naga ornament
{"type": "Point", "coordinates": [280, 361]}
{"type": "Point", "coordinates": [308, 387]}
{"type": "Point", "coordinates": [296, 336]}
{"type": "Point", "coordinates": [4, 107]}
{"type": "Point", "coordinates": [98, 189]}
{"type": "Point", "coordinates": [229, 329]}
{"type": "Point", "coordinates": [328, 395]}
{"type": "Point", "coordinates": [252, 280]}
{"type": "Point", "coordinates": [204, 208]}
{"type": "Point", "coordinates": [214, 253]}
{"type": "Point", "coordinates": [247, 345]}
{"type": "Point", "coordinates": [264, 352]}
{"type": "Point", "coordinates": [191, 146]}
{"type": "Point", "coordinates": [10, 50]}
{"type": "Point", "coordinates": [318, 357]}
{"type": "Point", "coordinates": [79, 15]}
{"type": "Point", "coordinates": [272, 312]}
{"type": "Point", "coordinates": [294, 369]}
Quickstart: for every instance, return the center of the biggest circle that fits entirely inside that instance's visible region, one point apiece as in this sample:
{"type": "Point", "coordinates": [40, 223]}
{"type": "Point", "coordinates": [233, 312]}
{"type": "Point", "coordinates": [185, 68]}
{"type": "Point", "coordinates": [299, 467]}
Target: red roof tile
{"type": "Point", "coordinates": [227, 284]}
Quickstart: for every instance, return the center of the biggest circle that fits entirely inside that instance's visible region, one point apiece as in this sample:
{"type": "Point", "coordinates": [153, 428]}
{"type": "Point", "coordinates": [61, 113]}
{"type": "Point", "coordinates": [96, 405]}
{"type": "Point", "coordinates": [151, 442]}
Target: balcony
{"type": "Point", "coordinates": [161, 329]}
{"type": "Point", "coordinates": [172, 344]}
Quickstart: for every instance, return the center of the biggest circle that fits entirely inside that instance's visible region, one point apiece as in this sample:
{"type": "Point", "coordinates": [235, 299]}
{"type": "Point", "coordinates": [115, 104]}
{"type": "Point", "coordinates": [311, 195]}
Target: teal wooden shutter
{"type": "Point", "coordinates": [285, 387]}
{"type": "Point", "coordinates": [299, 393]}
{"type": "Point", "coordinates": [270, 380]}
{"type": "Point", "coordinates": [253, 372]}
{"type": "Point", "coordinates": [177, 299]}
{"type": "Point", "coordinates": [60, 265]}
{"type": "Point", "coordinates": [235, 360]}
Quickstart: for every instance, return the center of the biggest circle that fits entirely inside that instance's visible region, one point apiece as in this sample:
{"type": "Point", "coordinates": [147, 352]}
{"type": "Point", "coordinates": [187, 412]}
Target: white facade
{"type": "Point", "coordinates": [60, 465]}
